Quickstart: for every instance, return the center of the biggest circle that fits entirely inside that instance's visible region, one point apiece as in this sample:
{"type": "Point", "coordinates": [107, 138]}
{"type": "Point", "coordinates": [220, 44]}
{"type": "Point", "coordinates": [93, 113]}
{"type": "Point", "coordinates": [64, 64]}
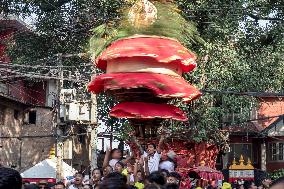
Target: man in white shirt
{"type": "Point", "coordinates": [78, 181]}
{"type": "Point", "coordinates": [154, 155]}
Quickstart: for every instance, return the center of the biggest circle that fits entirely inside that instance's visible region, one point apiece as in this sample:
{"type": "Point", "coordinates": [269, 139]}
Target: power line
{"type": "Point", "coordinates": [249, 93]}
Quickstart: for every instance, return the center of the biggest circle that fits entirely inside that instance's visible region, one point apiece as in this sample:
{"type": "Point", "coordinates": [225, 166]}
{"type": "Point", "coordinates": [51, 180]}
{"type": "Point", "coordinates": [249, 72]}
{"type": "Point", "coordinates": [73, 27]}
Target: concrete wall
{"type": "Point", "coordinates": [25, 144]}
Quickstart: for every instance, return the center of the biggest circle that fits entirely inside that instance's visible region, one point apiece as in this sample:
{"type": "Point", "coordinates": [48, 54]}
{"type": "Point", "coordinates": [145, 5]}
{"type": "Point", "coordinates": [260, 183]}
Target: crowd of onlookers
{"type": "Point", "coordinates": [11, 179]}
{"type": "Point", "coordinates": [150, 171]}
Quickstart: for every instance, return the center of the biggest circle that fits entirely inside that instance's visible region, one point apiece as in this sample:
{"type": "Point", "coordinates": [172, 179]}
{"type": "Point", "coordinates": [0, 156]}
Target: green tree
{"type": "Point", "coordinates": [241, 53]}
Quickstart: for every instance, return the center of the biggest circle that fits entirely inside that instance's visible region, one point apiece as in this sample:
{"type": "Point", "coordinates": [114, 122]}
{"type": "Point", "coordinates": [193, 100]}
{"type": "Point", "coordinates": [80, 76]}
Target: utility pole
{"type": "Point", "coordinates": [59, 142]}
{"type": "Point", "coordinates": [94, 137]}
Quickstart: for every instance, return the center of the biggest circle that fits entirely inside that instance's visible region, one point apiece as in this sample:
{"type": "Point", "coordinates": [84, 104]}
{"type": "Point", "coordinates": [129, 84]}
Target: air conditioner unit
{"type": "Point", "coordinates": [84, 112]}
{"type": "Point", "coordinates": [73, 113]}
{"type": "Point", "coordinates": [67, 95]}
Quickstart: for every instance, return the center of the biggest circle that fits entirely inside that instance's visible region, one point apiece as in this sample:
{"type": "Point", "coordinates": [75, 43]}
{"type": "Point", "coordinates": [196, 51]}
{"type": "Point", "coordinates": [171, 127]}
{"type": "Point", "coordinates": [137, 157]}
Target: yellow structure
{"type": "Point", "coordinates": [52, 153]}
{"type": "Point", "coordinates": [242, 165]}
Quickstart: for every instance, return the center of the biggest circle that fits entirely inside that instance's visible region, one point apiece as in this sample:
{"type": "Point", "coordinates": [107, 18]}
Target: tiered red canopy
{"type": "Point", "coordinates": [161, 49]}
{"type": "Point", "coordinates": [163, 86]}
{"type": "Point", "coordinates": [142, 110]}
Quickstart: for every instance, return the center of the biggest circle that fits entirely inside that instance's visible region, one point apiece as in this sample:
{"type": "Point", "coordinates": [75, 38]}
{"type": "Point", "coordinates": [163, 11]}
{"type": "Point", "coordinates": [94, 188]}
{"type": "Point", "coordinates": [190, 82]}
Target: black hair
{"type": "Point", "coordinates": [101, 171]}
{"type": "Point", "coordinates": [31, 186]}
{"type": "Point", "coordinates": [174, 174]}
{"type": "Point", "coordinates": [247, 184]}
{"type": "Point", "coordinates": [120, 163]}
{"type": "Point", "coordinates": [154, 145]}
{"type": "Point", "coordinates": [157, 178]}
{"type": "Point", "coordinates": [116, 149]}
{"type": "Point", "coordinates": [116, 175]}
{"type": "Point", "coordinates": [152, 186]}
{"type": "Point", "coordinates": [60, 183]}
{"type": "Point", "coordinates": [210, 187]}
{"type": "Point", "coordinates": [165, 171]}
{"type": "Point", "coordinates": [171, 186]}
{"type": "Point", "coordinates": [278, 181]}
{"type": "Point", "coordinates": [10, 178]}
{"type": "Point", "coordinates": [79, 173]}
{"type": "Point", "coordinates": [113, 183]}
{"type": "Point", "coordinates": [132, 187]}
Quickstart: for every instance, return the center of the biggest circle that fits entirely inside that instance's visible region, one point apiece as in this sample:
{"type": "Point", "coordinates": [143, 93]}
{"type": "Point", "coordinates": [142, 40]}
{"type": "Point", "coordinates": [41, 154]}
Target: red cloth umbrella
{"type": "Point", "coordinates": [163, 86]}
{"type": "Point", "coordinates": [207, 173]}
{"type": "Point", "coordinates": [142, 110]}
{"type": "Point", "coordinates": [161, 49]}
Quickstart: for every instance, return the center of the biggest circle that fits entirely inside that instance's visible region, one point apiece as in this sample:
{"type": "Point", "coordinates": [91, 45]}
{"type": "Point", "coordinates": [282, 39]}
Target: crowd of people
{"type": "Point", "coordinates": [11, 179]}
{"type": "Point", "coordinates": [149, 171]}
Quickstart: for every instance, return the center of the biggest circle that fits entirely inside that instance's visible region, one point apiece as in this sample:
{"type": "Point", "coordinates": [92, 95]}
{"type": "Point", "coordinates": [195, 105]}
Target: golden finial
{"type": "Point", "coordinates": [142, 14]}
{"type": "Point", "coordinates": [234, 161]}
{"type": "Point", "coordinates": [242, 160]}
{"type": "Point", "coordinates": [249, 165]}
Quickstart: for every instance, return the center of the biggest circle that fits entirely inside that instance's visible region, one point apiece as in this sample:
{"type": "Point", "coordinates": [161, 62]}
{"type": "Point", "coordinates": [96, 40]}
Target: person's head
{"type": "Point", "coordinates": [42, 184]}
{"type": "Point", "coordinates": [278, 183]}
{"type": "Point", "coordinates": [249, 185]}
{"type": "Point", "coordinates": [78, 178]}
{"type": "Point", "coordinates": [151, 148]}
{"type": "Point", "coordinates": [10, 178]}
{"type": "Point", "coordinates": [116, 175]}
{"type": "Point", "coordinates": [139, 176]}
{"type": "Point", "coordinates": [119, 166]}
{"type": "Point", "coordinates": [50, 185]}
{"type": "Point", "coordinates": [116, 153]}
{"type": "Point", "coordinates": [130, 167]}
{"type": "Point", "coordinates": [87, 186]}
{"type": "Point", "coordinates": [171, 155]}
{"type": "Point", "coordinates": [113, 183]}
{"type": "Point", "coordinates": [131, 187]}
{"type": "Point", "coordinates": [157, 178]}
{"type": "Point", "coordinates": [171, 186]}
{"type": "Point", "coordinates": [164, 172]}
{"type": "Point", "coordinates": [31, 186]}
{"type": "Point", "coordinates": [152, 186]}
{"type": "Point", "coordinates": [107, 170]}
{"type": "Point", "coordinates": [97, 174]}
{"type": "Point", "coordinates": [226, 185]}
{"type": "Point", "coordinates": [174, 178]}
{"type": "Point", "coordinates": [266, 182]}
{"type": "Point", "coordinates": [59, 185]}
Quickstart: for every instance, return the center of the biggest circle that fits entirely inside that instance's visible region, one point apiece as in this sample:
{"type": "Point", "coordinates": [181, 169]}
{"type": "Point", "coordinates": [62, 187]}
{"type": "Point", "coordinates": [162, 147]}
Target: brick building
{"type": "Point", "coordinates": [26, 109]}
{"type": "Point", "coordinates": [262, 139]}
{"type": "Point", "coordinates": [29, 113]}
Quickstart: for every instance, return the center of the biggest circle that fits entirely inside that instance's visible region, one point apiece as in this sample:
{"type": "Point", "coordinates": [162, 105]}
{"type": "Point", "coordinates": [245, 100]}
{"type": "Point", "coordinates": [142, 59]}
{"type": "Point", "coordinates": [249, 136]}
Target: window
{"type": "Point", "coordinates": [2, 116]}
{"type": "Point", "coordinates": [276, 151]}
{"type": "Point", "coordinates": [238, 149]}
{"type": "Point", "coordinates": [16, 114]}
{"type": "Point", "coordinates": [32, 117]}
